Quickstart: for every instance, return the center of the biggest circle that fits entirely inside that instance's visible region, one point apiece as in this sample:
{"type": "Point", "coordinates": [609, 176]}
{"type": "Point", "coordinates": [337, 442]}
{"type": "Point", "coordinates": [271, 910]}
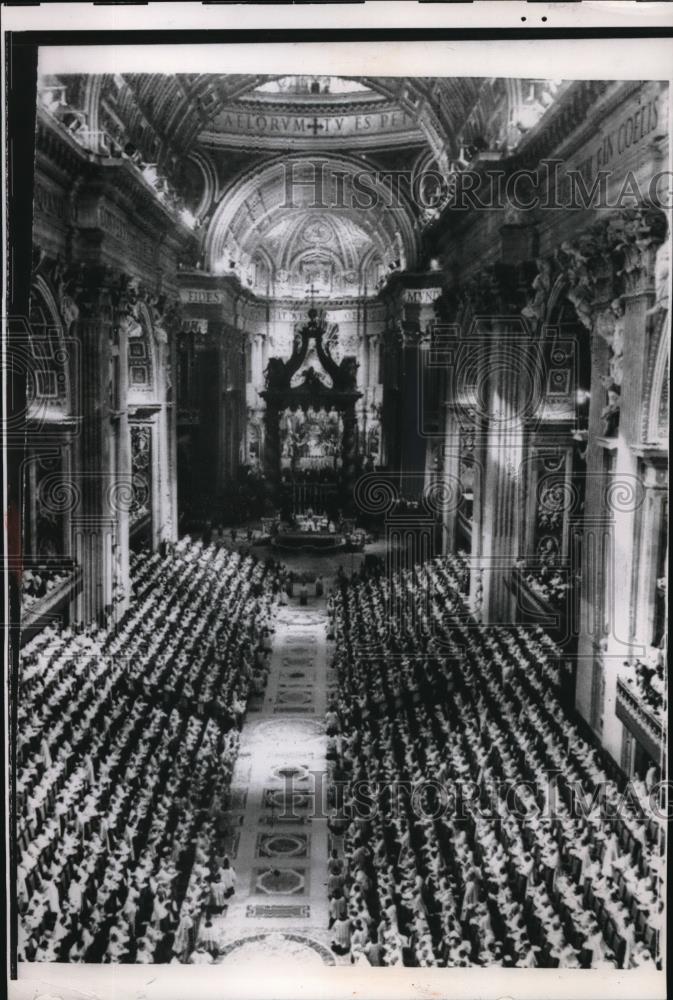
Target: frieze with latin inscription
{"type": "Point", "coordinates": [265, 123]}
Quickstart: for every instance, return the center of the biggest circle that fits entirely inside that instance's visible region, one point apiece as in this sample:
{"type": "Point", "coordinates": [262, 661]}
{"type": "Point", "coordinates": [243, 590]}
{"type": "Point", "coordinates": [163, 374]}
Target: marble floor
{"type": "Point", "coordinates": [279, 838]}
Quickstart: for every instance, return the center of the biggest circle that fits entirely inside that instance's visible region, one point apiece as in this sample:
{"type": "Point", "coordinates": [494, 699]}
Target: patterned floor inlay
{"type": "Point", "coordinates": [290, 947]}
{"type": "Point", "coordinates": [294, 696]}
{"type": "Point", "coordinates": [293, 708]}
{"type": "Point", "coordinates": [277, 842]}
{"type": "Point", "coordinates": [291, 773]}
{"type": "Point", "coordinates": [287, 732]}
{"type": "Point", "coordinates": [282, 845]}
{"type": "Point", "coordinates": [270, 911]}
{"type": "Point", "coordinates": [277, 818]}
{"type": "Point", "coordinates": [285, 802]}
{"type": "Point", "coordinates": [296, 678]}
{"type": "Point", "coordinates": [272, 881]}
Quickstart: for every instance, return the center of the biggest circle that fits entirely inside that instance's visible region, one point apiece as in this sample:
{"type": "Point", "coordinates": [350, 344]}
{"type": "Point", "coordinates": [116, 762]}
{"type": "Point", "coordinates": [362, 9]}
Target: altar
{"type": "Point", "coordinates": [311, 532]}
{"type": "Point", "coordinates": [314, 523]}
{"type": "Point", "coordinates": [309, 541]}
{"type": "Point", "coordinates": [310, 423]}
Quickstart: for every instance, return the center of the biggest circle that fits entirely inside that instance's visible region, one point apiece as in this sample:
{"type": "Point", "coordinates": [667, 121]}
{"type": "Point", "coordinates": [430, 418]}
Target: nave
{"type": "Point", "coordinates": [368, 773]}
{"type": "Point", "coordinates": [279, 840]}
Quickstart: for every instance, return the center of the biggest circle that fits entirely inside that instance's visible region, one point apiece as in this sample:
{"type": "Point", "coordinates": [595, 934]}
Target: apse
{"type": "Point", "coordinates": [292, 230]}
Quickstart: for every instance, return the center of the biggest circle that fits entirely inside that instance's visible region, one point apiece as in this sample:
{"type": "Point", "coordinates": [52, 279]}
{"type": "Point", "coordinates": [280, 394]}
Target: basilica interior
{"type": "Point", "coordinates": [345, 454]}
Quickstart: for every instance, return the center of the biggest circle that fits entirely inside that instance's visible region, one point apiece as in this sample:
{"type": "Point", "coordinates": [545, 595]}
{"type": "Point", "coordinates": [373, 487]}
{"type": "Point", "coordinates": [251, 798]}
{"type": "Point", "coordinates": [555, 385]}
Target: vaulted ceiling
{"type": "Point", "coordinates": [289, 210]}
{"type": "Point", "coordinates": [225, 143]}
{"type": "Point", "coordinates": [168, 115]}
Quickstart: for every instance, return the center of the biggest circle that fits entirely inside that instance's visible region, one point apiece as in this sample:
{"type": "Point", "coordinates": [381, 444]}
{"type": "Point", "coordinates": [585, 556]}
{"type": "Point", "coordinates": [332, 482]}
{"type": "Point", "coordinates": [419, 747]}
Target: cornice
{"type": "Point", "coordinates": [383, 140]}
{"type": "Point", "coordinates": [569, 121]}
{"type": "Point", "coordinates": [138, 195]}
{"type": "Point", "coordinates": [190, 278]}
{"type": "Point", "coordinates": [57, 145]}
{"type": "Point", "coordinates": [311, 107]}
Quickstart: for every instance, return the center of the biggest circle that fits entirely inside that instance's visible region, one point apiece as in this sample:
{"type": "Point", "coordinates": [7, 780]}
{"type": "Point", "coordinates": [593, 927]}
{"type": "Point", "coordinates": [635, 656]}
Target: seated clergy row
{"type": "Point", "coordinates": [475, 876]}
{"type": "Point", "coordinates": [127, 739]}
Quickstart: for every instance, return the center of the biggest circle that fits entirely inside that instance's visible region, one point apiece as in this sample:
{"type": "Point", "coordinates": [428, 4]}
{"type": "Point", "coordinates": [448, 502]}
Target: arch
{"type": "Point", "coordinates": [211, 190]}
{"type": "Point", "coordinates": [50, 378]}
{"type": "Point", "coordinates": [141, 359]}
{"type": "Point", "coordinates": [165, 115]}
{"type": "Point", "coordinates": [253, 204]}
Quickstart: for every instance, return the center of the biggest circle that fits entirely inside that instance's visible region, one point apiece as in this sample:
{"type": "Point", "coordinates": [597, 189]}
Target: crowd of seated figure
{"type": "Point", "coordinates": [648, 683]}
{"type": "Point", "coordinates": [479, 827]}
{"type": "Point", "coordinates": [548, 582]}
{"type": "Point", "coordinates": [42, 579]}
{"type": "Point", "coordinates": [126, 742]}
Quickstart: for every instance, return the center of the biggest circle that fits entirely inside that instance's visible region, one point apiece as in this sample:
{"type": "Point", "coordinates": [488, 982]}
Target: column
{"type": "Point", "coordinates": [171, 533]}
{"type": "Point", "coordinates": [596, 533]}
{"type": "Point", "coordinates": [93, 518]}
{"type": "Point", "coordinates": [413, 444]}
{"type": "Point", "coordinates": [451, 474]}
{"type": "Point", "coordinates": [373, 357]}
{"type": "Point", "coordinates": [627, 494]}
{"type": "Point", "coordinates": [651, 549]}
{"type": "Point", "coordinates": [164, 522]}
{"type": "Point", "coordinates": [121, 565]}
{"type": "Point", "coordinates": [501, 501]}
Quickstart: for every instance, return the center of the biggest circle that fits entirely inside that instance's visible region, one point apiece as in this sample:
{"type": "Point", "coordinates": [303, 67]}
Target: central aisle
{"type": "Point", "coordinates": [279, 840]}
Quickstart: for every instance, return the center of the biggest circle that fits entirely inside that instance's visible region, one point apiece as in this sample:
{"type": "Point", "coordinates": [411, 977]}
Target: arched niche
{"type": "Point", "coordinates": [141, 360]}
{"type": "Point", "coordinates": [51, 357]}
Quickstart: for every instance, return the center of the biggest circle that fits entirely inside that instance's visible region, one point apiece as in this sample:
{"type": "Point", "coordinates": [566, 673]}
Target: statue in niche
{"type": "Point", "coordinates": [536, 306]}
{"type": "Point", "coordinates": [129, 325]}
{"type": "Point", "coordinates": [155, 305]}
{"type": "Point", "coordinates": [580, 290]}
{"type": "Point", "coordinates": [610, 326]}
{"type": "Point", "coordinates": [276, 374]}
{"type": "Point", "coordinates": [662, 269]}
{"type": "Point", "coordinates": [610, 412]}
{"type": "Point", "coordinates": [230, 256]}
{"type": "Point", "coordinates": [66, 304]}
